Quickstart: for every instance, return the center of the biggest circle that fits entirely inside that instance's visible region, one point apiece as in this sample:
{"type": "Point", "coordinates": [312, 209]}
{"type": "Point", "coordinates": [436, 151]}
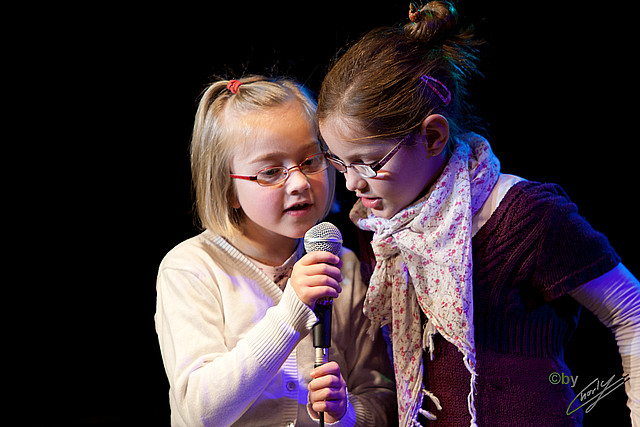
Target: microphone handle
{"type": "Point", "coordinates": [322, 338]}
{"type": "Point", "coordinates": [322, 329]}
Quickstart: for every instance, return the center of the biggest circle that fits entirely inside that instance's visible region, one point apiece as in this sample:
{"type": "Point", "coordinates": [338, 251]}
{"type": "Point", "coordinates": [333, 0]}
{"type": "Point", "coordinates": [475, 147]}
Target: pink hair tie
{"type": "Point", "coordinates": [233, 86]}
{"type": "Point", "coordinates": [428, 79]}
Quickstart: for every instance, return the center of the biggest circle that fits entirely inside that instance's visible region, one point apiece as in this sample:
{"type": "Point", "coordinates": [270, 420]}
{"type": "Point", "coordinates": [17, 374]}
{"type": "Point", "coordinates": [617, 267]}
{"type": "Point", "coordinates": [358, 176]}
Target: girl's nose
{"type": "Point", "coordinates": [297, 181]}
{"type": "Point", "coordinates": [354, 181]}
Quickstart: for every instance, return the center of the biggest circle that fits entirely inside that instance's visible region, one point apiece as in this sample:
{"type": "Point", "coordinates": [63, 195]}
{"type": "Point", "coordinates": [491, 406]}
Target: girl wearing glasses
{"type": "Point", "coordinates": [234, 307]}
{"type": "Point", "coordinates": [479, 275]}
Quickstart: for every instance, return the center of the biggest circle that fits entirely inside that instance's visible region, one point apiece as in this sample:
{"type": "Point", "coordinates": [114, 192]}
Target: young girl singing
{"type": "Point", "coordinates": [234, 307]}
{"type": "Point", "coordinates": [483, 272]}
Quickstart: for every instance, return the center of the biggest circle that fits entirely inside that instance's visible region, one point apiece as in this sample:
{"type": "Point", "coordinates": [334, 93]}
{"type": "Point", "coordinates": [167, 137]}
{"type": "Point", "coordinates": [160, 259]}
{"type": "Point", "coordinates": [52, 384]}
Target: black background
{"type": "Point", "coordinates": [106, 104]}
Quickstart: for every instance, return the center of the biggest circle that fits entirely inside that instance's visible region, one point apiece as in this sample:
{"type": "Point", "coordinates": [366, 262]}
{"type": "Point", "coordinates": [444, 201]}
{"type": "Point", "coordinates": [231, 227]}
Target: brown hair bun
{"type": "Point", "coordinates": [432, 22]}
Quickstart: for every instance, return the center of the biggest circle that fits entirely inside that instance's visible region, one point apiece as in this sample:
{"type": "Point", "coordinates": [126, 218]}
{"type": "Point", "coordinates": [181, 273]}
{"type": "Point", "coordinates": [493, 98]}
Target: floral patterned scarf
{"type": "Point", "coordinates": [424, 262]}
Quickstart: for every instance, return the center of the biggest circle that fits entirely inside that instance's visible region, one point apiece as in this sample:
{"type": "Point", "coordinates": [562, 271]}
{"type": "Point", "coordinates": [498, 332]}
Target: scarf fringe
{"type": "Point", "coordinates": [432, 417]}
{"type": "Point", "coordinates": [469, 363]}
{"type": "Point", "coordinates": [427, 414]}
{"type": "Point", "coordinates": [433, 398]}
{"type": "Point", "coordinates": [429, 331]}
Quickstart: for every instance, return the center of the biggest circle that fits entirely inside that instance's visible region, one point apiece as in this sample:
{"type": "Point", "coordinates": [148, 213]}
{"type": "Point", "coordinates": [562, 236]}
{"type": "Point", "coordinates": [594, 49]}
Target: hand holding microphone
{"type": "Point", "coordinates": [317, 274]}
{"type": "Point", "coordinates": [324, 237]}
{"type": "Point", "coordinates": [316, 280]}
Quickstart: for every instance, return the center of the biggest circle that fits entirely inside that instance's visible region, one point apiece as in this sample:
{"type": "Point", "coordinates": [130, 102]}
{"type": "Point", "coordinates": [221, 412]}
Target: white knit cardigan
{"type": "Point", "coordinates": [237, 349]}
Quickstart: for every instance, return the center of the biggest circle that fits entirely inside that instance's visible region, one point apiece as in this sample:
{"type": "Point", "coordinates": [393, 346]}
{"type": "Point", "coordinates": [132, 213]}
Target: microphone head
{"type": "Point", "coordinates": [323, 237]}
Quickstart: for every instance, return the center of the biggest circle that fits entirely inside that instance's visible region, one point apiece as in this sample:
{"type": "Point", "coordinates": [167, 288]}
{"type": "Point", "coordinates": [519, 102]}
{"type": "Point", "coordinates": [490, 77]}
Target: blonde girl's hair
{"type": "Point", "coordinates": [213, 143]}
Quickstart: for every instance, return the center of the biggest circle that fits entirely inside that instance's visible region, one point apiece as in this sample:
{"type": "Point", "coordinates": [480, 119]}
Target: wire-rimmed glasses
{"type": "Point", "coordinates": [363, 169]}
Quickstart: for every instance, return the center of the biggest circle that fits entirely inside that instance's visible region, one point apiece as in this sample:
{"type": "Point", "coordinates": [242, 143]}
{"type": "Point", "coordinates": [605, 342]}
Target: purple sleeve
{"type": "Point", "coordinates": [570, 252]}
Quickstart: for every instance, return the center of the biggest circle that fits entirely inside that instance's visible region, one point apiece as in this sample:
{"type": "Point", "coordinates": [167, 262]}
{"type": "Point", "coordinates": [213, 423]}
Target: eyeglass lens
{"type": "Point", "coordinates": [309, 166]}
{"type": "Point", "coordinates": [364, 170]}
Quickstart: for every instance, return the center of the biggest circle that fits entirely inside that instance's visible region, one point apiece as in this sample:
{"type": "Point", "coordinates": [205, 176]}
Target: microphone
{"type": "Point", "coordinates": [323, 237]}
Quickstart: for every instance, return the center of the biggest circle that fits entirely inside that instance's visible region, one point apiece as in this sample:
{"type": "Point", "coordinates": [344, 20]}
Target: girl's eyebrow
{"type": "Point", "coordinates": [268, 157]}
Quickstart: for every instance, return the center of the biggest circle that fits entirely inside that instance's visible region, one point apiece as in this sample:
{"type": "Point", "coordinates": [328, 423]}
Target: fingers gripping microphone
{"type": "Point", "coordinates": [323, 237]}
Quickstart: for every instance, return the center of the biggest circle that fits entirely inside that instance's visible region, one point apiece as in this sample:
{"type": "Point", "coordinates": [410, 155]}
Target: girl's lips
{"type": "Point", "coordinates": [370, 203]}
{"type": "Point", "coordinates": [299, 210]}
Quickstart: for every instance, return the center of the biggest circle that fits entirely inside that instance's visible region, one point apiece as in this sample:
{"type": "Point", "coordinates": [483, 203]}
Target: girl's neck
{"type": "Point", "coordinates": [270, 251]}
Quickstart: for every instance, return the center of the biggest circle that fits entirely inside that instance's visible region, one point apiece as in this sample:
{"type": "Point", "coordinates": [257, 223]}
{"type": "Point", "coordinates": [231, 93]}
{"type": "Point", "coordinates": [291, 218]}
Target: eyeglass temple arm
{"type": "Point", "coordinates": [380, 163]}
{"type": "Point", "coordinates": [245, 177]}
{"type": "Point", "coordinates": [383, 161]}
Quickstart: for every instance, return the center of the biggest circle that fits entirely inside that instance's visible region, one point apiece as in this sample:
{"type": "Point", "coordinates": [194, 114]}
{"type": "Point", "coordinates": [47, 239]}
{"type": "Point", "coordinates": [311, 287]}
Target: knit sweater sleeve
{"type": "Point", "coordinates": [568, 252]}
{"type": "Point", "coordinates": [211, 380]}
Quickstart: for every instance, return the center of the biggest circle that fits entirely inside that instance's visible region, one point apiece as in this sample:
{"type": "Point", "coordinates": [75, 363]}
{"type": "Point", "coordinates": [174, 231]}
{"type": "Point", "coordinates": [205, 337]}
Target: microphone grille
{"type": "Point", "coordinates": [323, 237]}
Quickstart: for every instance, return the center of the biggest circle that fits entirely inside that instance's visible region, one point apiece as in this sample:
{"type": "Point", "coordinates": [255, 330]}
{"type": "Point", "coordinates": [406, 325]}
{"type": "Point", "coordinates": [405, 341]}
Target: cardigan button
{"type": "Point", "coordinates": [291, 385]}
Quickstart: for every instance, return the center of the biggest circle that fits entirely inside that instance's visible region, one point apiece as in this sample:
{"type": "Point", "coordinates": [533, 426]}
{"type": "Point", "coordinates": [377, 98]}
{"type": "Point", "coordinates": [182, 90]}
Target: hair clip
{"type": "Point", "coordinates": [233, 86]}
{"type": "Point", "coordinates": [414, 13]}
{"type": "Point", "coordinates": [428, 79]}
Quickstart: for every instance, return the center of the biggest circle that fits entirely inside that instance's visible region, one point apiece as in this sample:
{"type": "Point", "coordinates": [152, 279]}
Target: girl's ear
{"type": "Point", "coordinates": [435, 129]}
{"type": "Point", "coordinates": [232, 198]}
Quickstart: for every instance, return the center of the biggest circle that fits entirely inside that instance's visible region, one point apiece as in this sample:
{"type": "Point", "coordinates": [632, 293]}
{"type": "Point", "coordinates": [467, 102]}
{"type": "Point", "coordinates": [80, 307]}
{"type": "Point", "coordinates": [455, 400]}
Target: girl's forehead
{"type": "Point", "coordinates": [347, 139]}
{"type": "Point", "coordinates": [273, 137]}
{"type": "Point", "coordinates": [338, 125]}
{"type": "Point", "coordinates": [257, 151]}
